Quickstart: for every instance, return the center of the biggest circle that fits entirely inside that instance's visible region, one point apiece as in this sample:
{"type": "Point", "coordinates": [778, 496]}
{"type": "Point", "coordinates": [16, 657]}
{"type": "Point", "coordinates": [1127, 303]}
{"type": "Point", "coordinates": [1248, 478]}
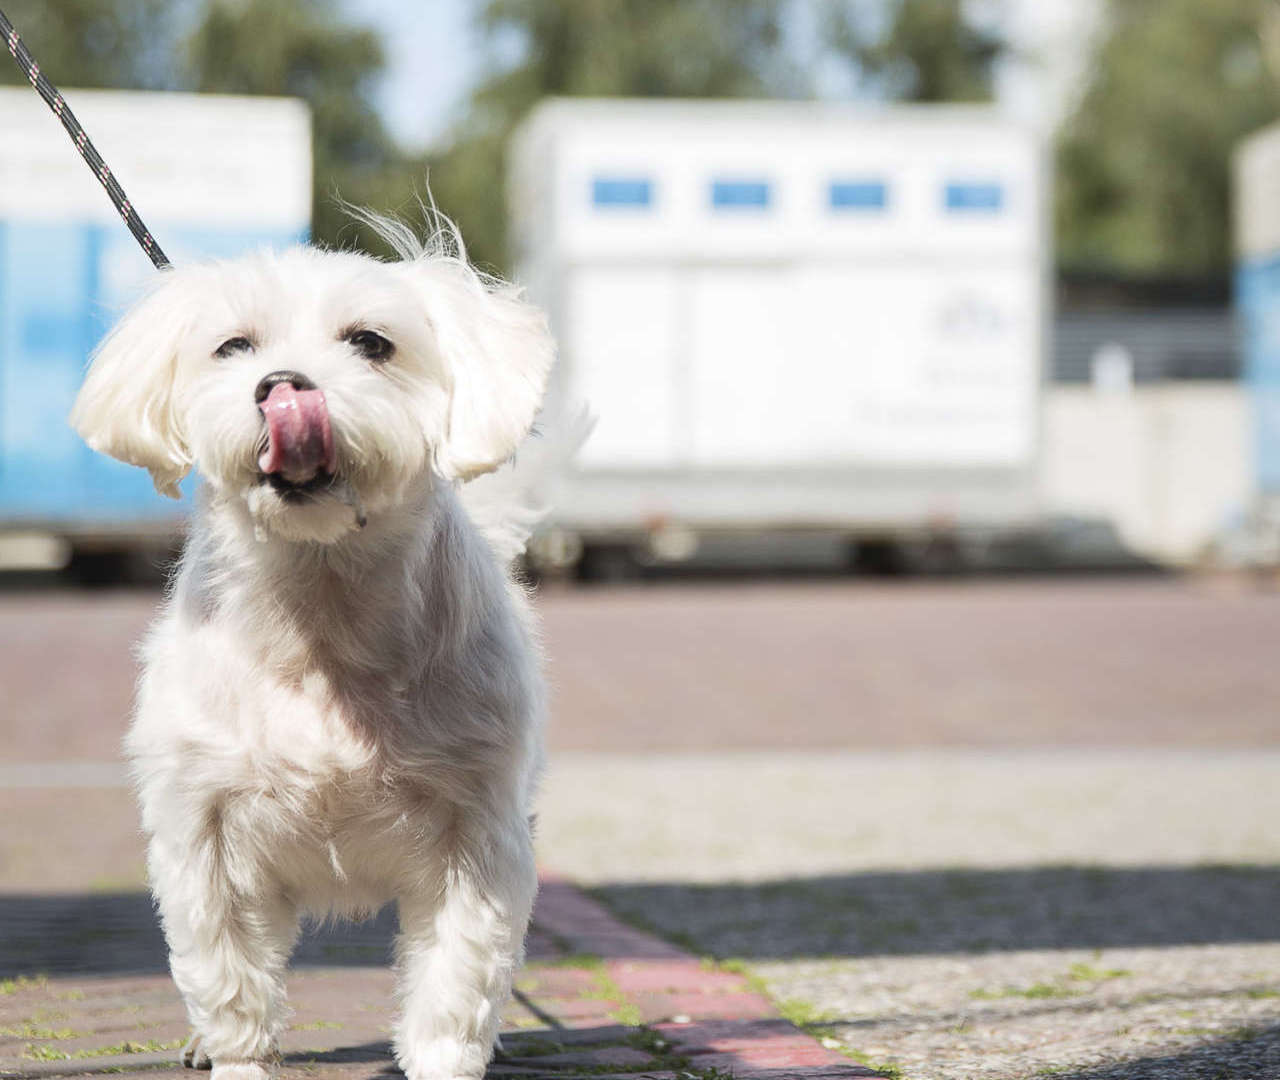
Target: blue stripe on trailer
{"type": "Point", "coordinates": [857, 195]}
{"type": "Point", "coordinates": [962, 197]}
{"type": "Point", "coordinates": [736, 194]}
{"type": "Point", "coordinates": [61, 287]}
{"type": "Point", "coordinates": [610, 191]}
{"type": "Point", "coordinates": [1258, 302]}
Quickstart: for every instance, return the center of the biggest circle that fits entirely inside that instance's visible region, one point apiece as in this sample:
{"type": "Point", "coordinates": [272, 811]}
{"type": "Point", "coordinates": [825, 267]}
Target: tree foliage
{"type": "Point", "coordinates": [302, 48]}
{"type": "Point", "coordinates": [926, 50]}
{"type": "Point", "coordinates": [919, 50]}
{"type": "Point", "coordinates": [930, 50]}
{"type": "Point", "coordinates": [100, 43]}
{"type": "Point", "coordinates": [1144, 162]}
{"type": "Point", "coordinates": [608, 48]}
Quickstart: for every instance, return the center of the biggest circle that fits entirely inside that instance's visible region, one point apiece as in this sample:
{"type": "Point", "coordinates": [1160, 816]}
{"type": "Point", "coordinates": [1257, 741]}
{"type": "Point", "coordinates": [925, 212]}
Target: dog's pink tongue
{"type": "Point", "coordinates": [299, 439]}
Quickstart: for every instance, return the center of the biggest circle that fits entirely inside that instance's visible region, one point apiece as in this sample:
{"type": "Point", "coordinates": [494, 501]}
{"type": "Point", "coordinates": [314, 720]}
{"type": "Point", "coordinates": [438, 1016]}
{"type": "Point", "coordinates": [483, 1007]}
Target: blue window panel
{"type": "Point", "coordinates": [736, 194]}
{"type": "Point", "coordinates": [621, 191]}
{"type": "Point", "coordinates": [58, 296]}
{"type": "Point", "coordinates": [981, 197]}
{"type": "Point", "coordinates": [857, 195]}
{"type": "Point", "coordinates": [1258, 301]}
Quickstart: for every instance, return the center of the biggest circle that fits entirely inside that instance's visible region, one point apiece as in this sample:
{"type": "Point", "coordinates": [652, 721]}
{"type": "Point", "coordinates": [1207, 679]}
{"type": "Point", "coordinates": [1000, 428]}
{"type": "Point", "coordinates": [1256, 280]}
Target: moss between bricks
{"type": "Point", "coordinates": [39, 1052]}
{"type": "Point", "coordinates": [641, 1038]}
{"type": "Point", "coordinates": [23, 982]}
{"type": "Point", "coordinates": [800, 1013]}
{"type": "Point", "coordinates": [605, 989]}
{"type": "Point", "coordinates": [584, 961]}
{"type": "Point", "coordinates": [29, 1030]}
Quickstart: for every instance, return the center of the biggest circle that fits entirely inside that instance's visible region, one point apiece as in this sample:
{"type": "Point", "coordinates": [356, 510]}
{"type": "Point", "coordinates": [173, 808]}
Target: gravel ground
{"type": "Point", "coordinates": [1136, 1014]}
{"type": "Point", "coordinates": [1097, 915]}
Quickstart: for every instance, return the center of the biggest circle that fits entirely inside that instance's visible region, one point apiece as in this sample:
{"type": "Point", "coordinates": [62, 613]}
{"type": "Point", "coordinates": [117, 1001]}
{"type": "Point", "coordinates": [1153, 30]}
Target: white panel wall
{"type": "Point", "coordinates": [915, 161]}
{"type": "Point", "coordinates": [622, 346]}
{"type": "Point", "coordinates": [182, 158]}
{"type": "Point", "coordinates": [749, 366]}
{"type": "Point", "coordinates": [1257, 194]}
{"type": "Point", "coordinates": [900, 332]}
{"type": "Point", "coordinates": [1170, 465]}
{"type": "Point", "coordinates": [930, 364]}
{"type": "Point", "coordinates": [743, 356]}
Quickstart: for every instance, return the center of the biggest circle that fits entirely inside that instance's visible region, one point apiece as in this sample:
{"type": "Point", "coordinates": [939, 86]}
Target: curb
{"type": "Point", "coordinates": [712, 1018]}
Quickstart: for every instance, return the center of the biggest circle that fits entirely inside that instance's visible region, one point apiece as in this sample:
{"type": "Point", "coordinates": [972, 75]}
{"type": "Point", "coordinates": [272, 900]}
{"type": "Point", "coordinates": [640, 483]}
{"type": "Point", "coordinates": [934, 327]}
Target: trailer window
{"type": "Point", "coordinates": [968, 196]}
{"type": "Point", "coordinates": [857, 195]}
{"type": "Point", "coordinates": [610, 191]}
{"type": "Point", "coordinates": [740, 194]}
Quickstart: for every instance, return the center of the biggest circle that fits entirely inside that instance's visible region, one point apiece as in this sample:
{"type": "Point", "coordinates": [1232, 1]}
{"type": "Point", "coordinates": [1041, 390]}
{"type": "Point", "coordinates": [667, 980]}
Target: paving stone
{"type": "Point", "coordinates": [587, 1057]}
{"type": "Point", "coordinates": [105, 1008]}
{"type": "Point", "coordinates": [738, 1045]}
{"type": "Point", "coordinates": [684, 975]}
{"type": "Point", "coordinates": [702, 1006]}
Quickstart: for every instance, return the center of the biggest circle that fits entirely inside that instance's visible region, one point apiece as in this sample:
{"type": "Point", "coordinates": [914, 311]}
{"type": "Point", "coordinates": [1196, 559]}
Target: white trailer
{"type": "Point", "coordinates": [211, 175]}
{"type": "Point", "coordinates": [789, 315]}
{"type": "Point", "coordinates": [1256, 174]}
{"type": "Point", "coordinates": [1257, 229]}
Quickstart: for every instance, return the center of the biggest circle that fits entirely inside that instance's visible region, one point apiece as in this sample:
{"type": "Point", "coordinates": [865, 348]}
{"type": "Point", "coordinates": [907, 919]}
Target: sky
{"type": "Point", "coordinates": [435, 57]}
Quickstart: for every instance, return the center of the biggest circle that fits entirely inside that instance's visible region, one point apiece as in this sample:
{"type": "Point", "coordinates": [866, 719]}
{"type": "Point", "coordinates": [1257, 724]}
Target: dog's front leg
{"type": "Point", "coordinates": [458, 950]}
{"type": "Point", "coordinates": [228, 951]}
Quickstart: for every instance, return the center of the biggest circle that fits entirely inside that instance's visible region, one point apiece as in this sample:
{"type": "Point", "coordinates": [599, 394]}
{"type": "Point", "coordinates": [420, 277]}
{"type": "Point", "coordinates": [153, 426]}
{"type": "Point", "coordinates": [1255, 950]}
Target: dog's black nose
{"type": "Point", "coordinates": [296, 378]}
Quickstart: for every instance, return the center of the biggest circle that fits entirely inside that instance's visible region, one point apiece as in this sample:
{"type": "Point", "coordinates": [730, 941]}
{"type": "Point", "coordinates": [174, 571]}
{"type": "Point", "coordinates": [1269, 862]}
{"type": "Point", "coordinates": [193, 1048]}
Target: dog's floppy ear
{"type": "Point", "coordinates": [497, 350]}
{"type": "Point", "coordinates": [126, 406]}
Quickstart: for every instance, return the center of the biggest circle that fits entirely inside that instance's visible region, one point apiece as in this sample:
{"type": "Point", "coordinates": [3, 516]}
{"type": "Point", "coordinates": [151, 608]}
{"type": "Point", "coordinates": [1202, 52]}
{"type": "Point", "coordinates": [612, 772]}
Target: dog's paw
{"type": "Point", "coordinates": [444, 1058]}
{"type": "Point", "coordinates": [192, 1056]}
{"type": "Point", "coordinates": [240, 1070]}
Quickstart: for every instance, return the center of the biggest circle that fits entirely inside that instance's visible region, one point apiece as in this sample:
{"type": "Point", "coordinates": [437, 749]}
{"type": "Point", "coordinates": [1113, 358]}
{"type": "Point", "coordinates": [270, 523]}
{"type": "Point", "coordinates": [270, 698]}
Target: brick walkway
{"type": "Point", "coordinates": [83, 993]}
{"type": "Point", "coordinates": [1095, 662]}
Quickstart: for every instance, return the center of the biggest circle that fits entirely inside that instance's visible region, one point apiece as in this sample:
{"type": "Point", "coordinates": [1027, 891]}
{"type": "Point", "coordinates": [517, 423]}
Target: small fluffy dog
{"type": "Point", "coordinates": [341, 702]}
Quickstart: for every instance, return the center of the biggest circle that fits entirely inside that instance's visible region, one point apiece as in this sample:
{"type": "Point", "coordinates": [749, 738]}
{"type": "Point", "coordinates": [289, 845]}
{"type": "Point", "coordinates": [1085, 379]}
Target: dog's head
{"type": "Point", "coordinates": [317, 385]}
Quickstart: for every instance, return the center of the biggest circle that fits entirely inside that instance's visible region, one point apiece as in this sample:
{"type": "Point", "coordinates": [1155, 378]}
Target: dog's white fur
{"type": "Point", "coordinates": [331, 716]}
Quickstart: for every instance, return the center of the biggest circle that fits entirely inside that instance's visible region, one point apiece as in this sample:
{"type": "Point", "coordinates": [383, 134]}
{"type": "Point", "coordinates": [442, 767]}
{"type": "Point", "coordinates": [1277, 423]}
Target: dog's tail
{"type": "Point", "coordinates": [508, 505]}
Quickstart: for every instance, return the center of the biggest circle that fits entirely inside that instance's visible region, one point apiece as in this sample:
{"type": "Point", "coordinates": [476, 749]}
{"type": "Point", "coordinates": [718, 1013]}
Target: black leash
{"type": "Point", "coordinates": [22, 56]}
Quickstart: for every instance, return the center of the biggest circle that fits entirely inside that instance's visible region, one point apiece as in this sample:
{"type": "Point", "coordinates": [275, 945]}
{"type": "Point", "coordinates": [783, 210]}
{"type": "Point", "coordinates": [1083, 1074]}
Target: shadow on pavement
{"type": "Point", "coordinates": [950, 911]}
{"type": "Point", "coordinates": [119, 934]}
{"type": "Point", "coordinates": [1245, 1055]}
{"type": "Point", "coordinates": [900, 913]}
{"type": "Point", "coordinates": [362, 1054]}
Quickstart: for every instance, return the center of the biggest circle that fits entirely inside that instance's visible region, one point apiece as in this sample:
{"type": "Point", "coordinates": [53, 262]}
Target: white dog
{"type": "Point", "coordinates": [341, 702]}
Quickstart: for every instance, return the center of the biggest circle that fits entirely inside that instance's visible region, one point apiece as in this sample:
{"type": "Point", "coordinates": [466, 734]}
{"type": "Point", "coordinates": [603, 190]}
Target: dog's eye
{"type": "Point", "coordinates": [232, 346]}
{"type": "Point", "coordinates": [370, 344]}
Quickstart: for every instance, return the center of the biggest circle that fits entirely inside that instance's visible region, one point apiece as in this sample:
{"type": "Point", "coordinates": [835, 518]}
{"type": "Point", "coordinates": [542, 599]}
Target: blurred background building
{"type": "Point", "coordinates": [1079, 258]}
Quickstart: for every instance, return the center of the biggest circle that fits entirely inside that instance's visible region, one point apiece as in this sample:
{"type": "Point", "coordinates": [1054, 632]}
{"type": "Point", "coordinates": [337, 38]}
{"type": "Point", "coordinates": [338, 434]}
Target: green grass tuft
{"type": "Point", "coordinates": [34, 1031]}
{"type": "Point", "coordinates": [23, 982]}
{"type": "Point", "coordinates": [585, 961]}
{"type": "Point", "coordinates": [1089, 973]}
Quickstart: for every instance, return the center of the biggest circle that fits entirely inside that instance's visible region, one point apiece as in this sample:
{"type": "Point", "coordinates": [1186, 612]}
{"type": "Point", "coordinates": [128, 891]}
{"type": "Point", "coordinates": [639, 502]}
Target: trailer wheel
{"type": "Point", "coordinates": [879, 558]}
{"type": "Point", "coordinates": [102, 567]}
{"type": "Point", "coordinates": [608, 565]}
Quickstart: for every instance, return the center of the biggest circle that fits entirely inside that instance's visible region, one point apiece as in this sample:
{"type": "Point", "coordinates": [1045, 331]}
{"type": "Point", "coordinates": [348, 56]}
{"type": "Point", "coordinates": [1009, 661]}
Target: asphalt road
{"type": "Point", "coordinates": [1110, 662]}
